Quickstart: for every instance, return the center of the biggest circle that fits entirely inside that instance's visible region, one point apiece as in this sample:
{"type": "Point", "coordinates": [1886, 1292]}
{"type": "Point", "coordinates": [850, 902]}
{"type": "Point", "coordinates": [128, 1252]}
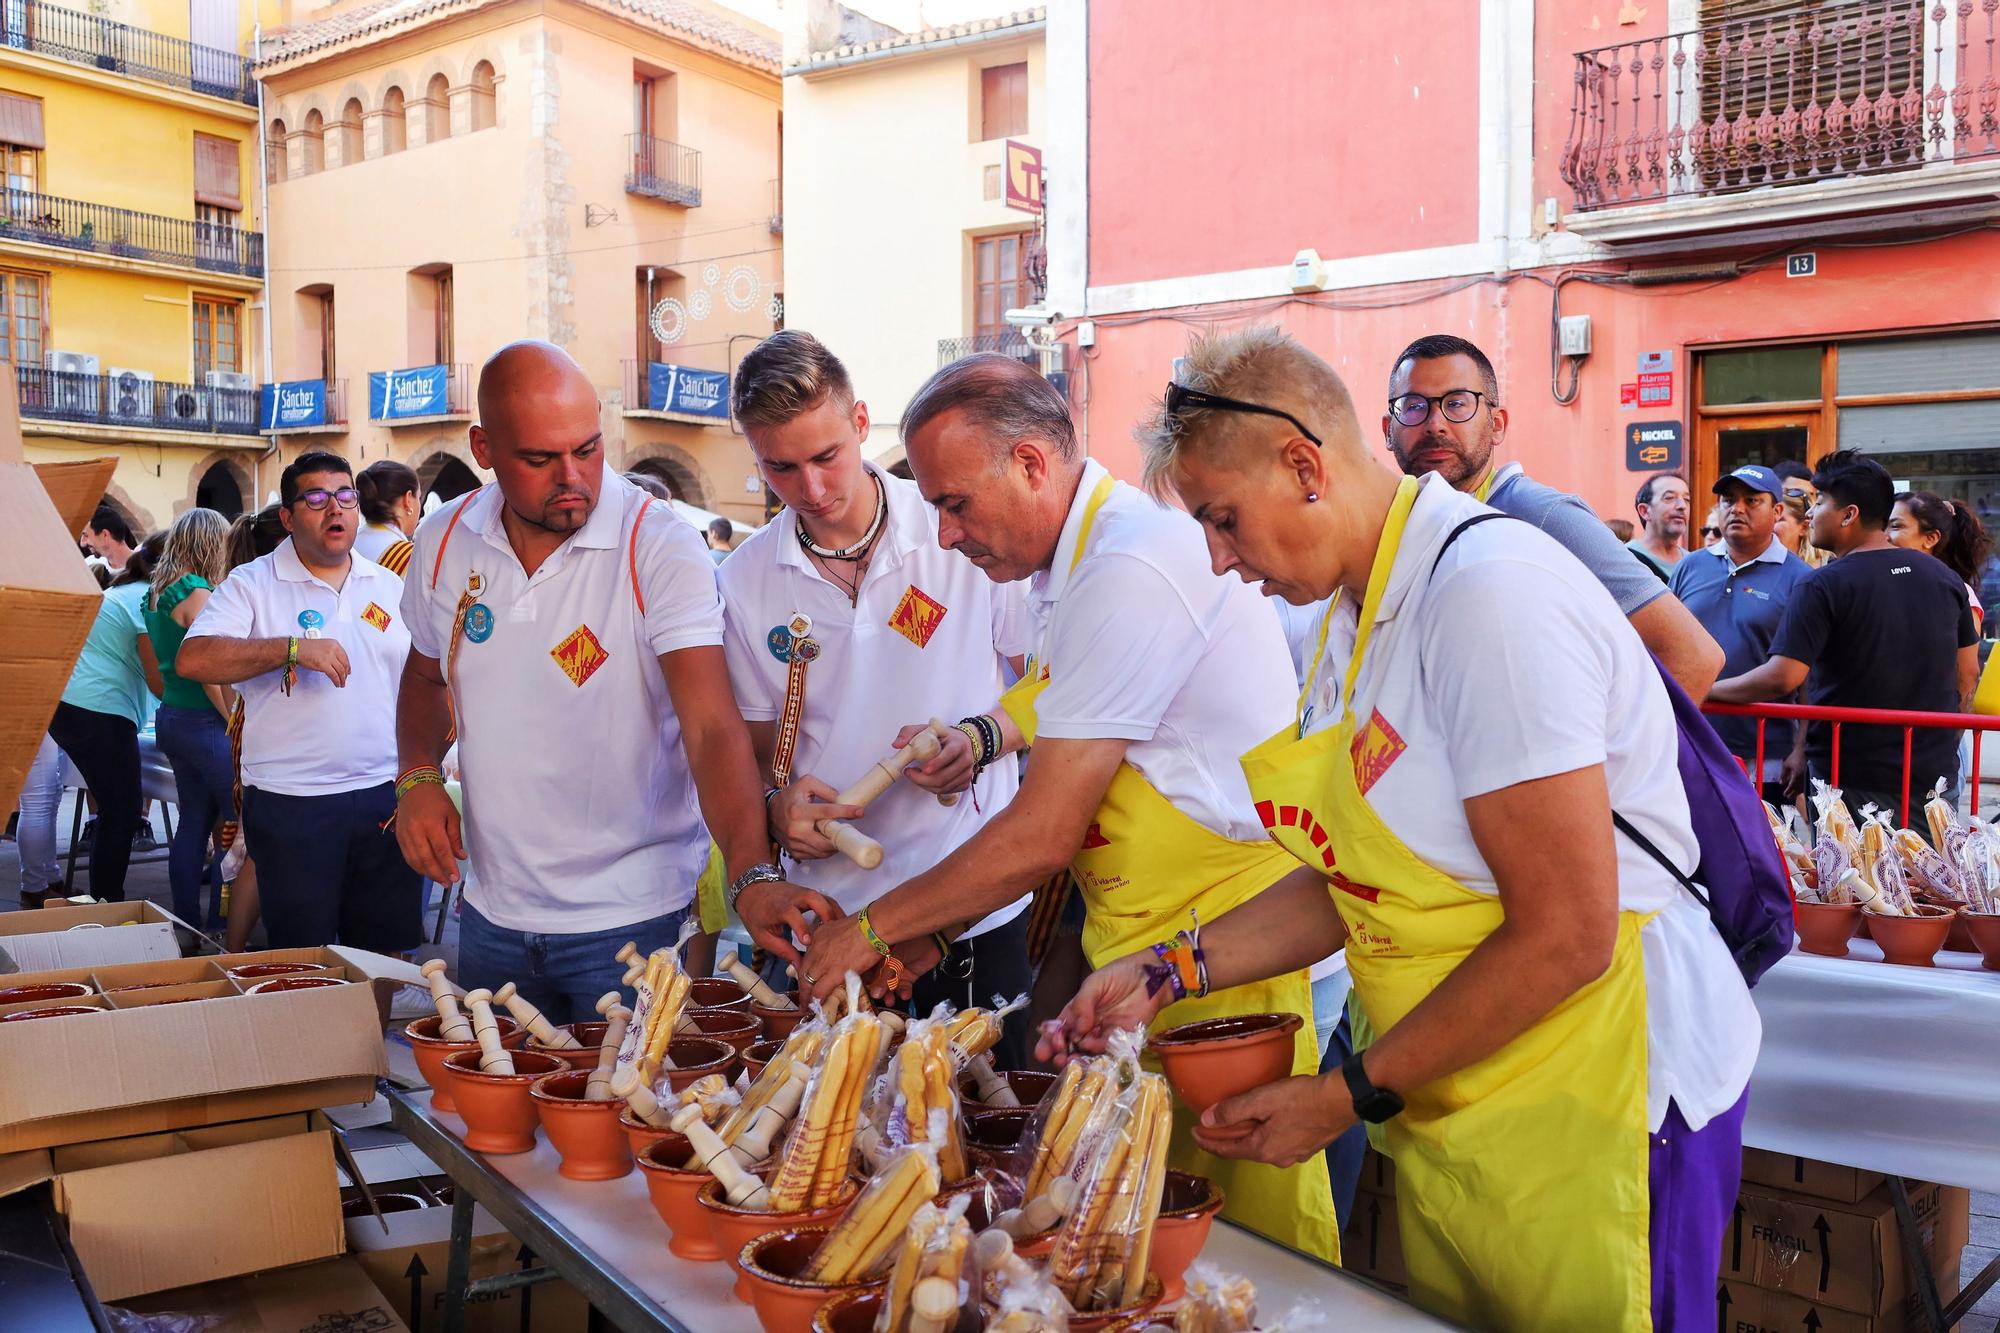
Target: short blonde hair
{"type": "Point", "coordinates": [787, 375]}
{"type": "Point", "coordinates": [1260, 364]}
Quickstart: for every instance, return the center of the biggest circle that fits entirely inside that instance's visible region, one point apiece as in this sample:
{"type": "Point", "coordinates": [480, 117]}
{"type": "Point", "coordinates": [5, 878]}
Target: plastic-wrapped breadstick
{"type": "Point", "coordinates": [862, 1242]}
{"type": "Point", "coordinates": [926, 1290]}
{"type": "Point", "coordinates": [1833, 817]}
{"type": "Point", "coordinates": [1104, 1248]}
{"type": "Point", "coordinates": [1978, 862]}
{"type": "Point", "coordinates": [1941, 816]}
{"type": "Point", "coordinates": [1831, 867]}
{"type": "Point", "coordinates": [975, 1032]}
{"type": "Point", "coordinates": [921, 1093]}
{"type": "Point", "coordinates": [1018, 1295]}
{"type": "Point", "coordinates": [816, 1160]}
{"type": "Point", "coordinates": [1216, 1303]}
{"type": "Point", "coordinates": [1929, 876]}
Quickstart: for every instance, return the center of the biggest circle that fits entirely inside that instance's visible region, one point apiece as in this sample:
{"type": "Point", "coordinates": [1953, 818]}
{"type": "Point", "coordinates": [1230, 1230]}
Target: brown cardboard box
{"type": "Point", "coordinates": [75, 487]}
{"type": "Point", "coordinates": [1378, 1174]}
{"type": "Point", "coordinates": [407, 1265]}
{"type": "Point", "coordinates": [47, 603]}
{"type": "Point", "coordinates": [1844, 1255]}
{"type": "Point", "coordinates": [78, 1002]}
{"type": "Point", "coordinates": [160, 1067]}
{"type": "Point", "coordinates": [168, 1210]}
{"type": "Point", "coordinates": [1371, 1245]}
{"type": "Point", "coordinates": [1741, 1308]}
{"type": "Point", "coordinates": [1803, 1175]}
{"type": "Point", "coordinates": [102, 933]}
{"type": "Point", "coordinates": [312, 1298]}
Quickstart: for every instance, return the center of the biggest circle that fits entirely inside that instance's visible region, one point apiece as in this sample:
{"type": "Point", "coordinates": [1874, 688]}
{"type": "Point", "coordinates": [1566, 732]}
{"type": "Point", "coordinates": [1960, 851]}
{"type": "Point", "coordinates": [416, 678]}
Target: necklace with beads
{"type": "Point", "coordinates": [856, 551]}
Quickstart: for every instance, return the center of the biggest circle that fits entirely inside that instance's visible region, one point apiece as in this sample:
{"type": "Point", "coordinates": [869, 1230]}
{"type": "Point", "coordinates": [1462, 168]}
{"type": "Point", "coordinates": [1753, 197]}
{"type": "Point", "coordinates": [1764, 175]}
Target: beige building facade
{"type": "Point", "coordinates": [447, 178]}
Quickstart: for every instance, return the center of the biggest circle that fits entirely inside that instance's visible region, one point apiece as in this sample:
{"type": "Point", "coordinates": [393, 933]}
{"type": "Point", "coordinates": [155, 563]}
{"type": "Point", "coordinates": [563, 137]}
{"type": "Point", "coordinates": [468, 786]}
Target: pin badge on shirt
{"type": "Point", "coordinates": [779, 641]}
{"type": "Point", "coordinates": [310, 621]}
{"type": "Point", "coordinates": [806, 650]}
{"type": "Point", "coordinates": [800, 624]}
{"type": "Point", "coordinates": [479, 622]}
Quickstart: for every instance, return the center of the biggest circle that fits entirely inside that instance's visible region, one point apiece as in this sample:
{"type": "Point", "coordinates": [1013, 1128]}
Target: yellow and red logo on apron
{"type": "Point", "coordinates": [917, 616]}
{"type": "Point", "coordinates": [580, 655]}
{"type": "Point", "coordinates": [1376, 747]}
{"type": "Point", "coordinates": [376, 616]}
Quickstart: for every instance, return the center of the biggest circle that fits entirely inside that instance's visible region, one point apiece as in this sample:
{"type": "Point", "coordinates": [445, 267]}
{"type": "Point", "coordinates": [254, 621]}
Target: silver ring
{"type": "Point", "coordinates": [810, 980]}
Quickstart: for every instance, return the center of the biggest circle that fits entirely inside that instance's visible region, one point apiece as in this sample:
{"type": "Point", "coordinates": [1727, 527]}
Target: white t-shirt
{"type": "Point", "coordinates": [580, 810]}
{"type": "Point", "coordinates": [1144, 643]}
{"type": "Point", "coordinates": [1513, 663]}
{"type": "Point", "coordinates": [926, 638]}
{"type": "Point", "coordinates": [322, 738]}
{"type": "Point", "coordinates": [375, 538]}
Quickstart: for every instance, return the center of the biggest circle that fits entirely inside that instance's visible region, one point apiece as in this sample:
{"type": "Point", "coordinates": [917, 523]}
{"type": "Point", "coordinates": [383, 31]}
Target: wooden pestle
{"type": "Point", "coordinates": [451, 1023]}
{"type": "Point", "coordinates": [493, 1057]}
{"type": "Point", "coordinates": [855, 845]}
{"type": "Point", "coordinates": [992, 1086]}
{"type": "Point", "coordinates": [744, 976]}
{"type": "Point", "coordinates": [529, 1017]}
{"type": "Point", "coordinates": [616, 1015]}
{"type": "Point", "coordinates": [645, 1106]}
{"type": "Point", "coordinates": [753, 1144]}
{"type": "Point", "coordinates": [742, 1189]}
{"type": "Point", "coordinates": [933, 1305]}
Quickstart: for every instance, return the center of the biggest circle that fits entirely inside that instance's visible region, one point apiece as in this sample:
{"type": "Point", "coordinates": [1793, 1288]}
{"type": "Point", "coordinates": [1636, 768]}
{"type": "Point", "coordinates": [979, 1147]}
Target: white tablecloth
{"type": "Point", "coordinates": [1874, 1065]}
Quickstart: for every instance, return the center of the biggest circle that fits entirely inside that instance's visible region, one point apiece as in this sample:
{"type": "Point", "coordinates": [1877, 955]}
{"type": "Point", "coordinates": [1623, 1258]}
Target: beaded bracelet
{"type": "Point", "coordinates": [1182, 965]}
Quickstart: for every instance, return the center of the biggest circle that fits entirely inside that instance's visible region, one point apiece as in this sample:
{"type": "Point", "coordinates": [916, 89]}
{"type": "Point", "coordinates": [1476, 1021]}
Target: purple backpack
{"type": "Point", "coordinates": [1749, 895]}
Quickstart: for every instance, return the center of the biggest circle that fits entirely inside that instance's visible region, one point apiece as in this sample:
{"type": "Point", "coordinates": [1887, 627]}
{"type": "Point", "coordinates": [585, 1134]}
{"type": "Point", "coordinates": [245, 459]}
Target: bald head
{"type": "Point", "coordinates": [523, 374]}
{"type": "Point", "coordinates": [538, 430]}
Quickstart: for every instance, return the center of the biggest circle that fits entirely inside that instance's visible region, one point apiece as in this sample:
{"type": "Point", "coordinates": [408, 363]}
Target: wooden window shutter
{"type": "Point", "coordinates": [21, 121]}
{"type": "Point", "coordinates": [218, 176]}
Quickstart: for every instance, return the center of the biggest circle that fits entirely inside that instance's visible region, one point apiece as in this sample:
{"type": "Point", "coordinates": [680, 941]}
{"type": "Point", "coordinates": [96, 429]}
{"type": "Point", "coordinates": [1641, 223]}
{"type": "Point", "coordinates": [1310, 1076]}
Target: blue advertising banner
{"type": "Point", "coordinates": [420, 392]}
{"type": "Point", "coordinates": [695, 393]}
{"type": "Point", "coordinates": [292, 406]}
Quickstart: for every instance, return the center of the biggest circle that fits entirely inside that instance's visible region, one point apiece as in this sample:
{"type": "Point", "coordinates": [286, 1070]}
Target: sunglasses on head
{"type": "Point", "coordinates": [1180, 398]}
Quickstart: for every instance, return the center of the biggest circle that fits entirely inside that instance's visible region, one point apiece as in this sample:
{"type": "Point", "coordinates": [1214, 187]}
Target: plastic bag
{"type": "Point", "coordinates": [818, 1155]}
{"type": "Point", "coordinates": [1881, 866]}
{"type": "Point", "coordinates": [1105, 1245]}
{"type": "Point", "coordinates": [1929, 877]}
{"type": "Point", "coordinates": [861, 1243]}
{"type": "Point", "coordinates": [1978, 861]}
{"type": "Point", "coordinates": [1018, 1295]}
{"type": "Point", "coordinates": [1216, 1303]}
{"type": "Point", "coordinates": [1833, 817]}
{"type": "Point", "coordinates": [1831, 868]}
{"type": "Point", "coordinates": [660, 988]}
{"type": "Point", "coordinates": [919, 1089]}
{"type": "Point", "coordinates": [930, 1282]}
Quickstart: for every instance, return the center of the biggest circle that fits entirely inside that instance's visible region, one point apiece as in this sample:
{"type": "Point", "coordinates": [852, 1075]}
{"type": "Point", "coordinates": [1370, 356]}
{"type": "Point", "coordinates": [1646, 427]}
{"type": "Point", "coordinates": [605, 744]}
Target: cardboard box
{"type": "Point", "coordinates": [75, 487]}
{"type": "Point", "coordinates": [407, 1265]}
{"type": "Point", "coordinates": [48, 601]}
{"type": "Point", "coordinates": [67, 1002]}
{"type": "Point", "coordinates": [182, 994]}
{"type": "Point", "coordinates": [103, 933]}
{"type": "Point", "coordinates": [169, 1210]}
{"type": "Point", "coordinates": [1371, 1245]}
{"type": "Point", "coordinates": [333, 1296]}
{"type": "Point", "coordinates": [1844, 1255]}
{"type": "Point", "coordinates": [1803, 1175]}
{"type": "Point", "coordinates": [1378, 1174]}
{"type": "Point", "coordinates": [1741, 1308]}
{"type": "Point", "coordinates": [156, 1067]}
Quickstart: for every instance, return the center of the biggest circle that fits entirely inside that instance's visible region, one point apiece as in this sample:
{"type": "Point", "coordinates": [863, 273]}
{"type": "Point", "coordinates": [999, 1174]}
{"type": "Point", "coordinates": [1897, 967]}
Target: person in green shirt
{"type": "Point", "coordinates": [192, 722]}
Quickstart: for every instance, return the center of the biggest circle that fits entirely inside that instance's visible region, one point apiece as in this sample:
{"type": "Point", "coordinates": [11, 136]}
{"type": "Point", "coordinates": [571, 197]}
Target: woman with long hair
{"type": "Point", "coordinates": [1795, 527]}
{"type": "Point", "coordinates": [390, 506]}
{"type": "Point", "coordinates": [1947, 529]}
{"type": "Point", "coordinates": [192, 722]}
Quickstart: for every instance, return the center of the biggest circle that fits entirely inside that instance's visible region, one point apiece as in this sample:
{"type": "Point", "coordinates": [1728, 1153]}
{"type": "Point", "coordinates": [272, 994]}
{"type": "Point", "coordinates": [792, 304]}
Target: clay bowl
{"type": "Point", "coordinates": [1188, 1206]}
{"type": "Point", "coordinates": [1134, 1313]}
{"type": "Point", "coordinates": [992, 1136]}
{"type": "Point", "coordinates": [258, 971]}
{"type": "Point", "coordinates": [718, 993]}
{"type": "Point", "coordinates": [586, 1133]}
{"type": "Point", "coordinates": [695, 1056]}
{"type": "Point", "coordinates": [57, 1011]}
{"type": "Point", "coordinates": [583, 1056]}
{"type": "Point", "coordinates": [1913, 940]}
{"type": "Point", "coordinates": [672, 1190]}
{"type": "Point", "coordinates": [54, 990]}
{"type": "Point", "coordinates": [293, 983]}
{"type": "Point", "coordinates": [756, 1057]}
{"type": "Point", "coordinates": [1029, 1085]}
{"type": "Point", "coordinates": [734, 1228]}
{"type": "Point", "coordinates": [431, 1049]}
{"type": "Point", "coordinates": [1218, 1058]}
{"type": "Point", "coordinates": [778, 1023]}
{"type": "Point", "coordinates": [499, 1114]}
{"type": "Point", "coordinates": [1825, 928]}
{"type": "Point", "coordinates": [640, 1136]}
{"type": "Point", "coordinates": [1984, 927]}
{"type": "Point", "coordinates": [852, 1311]}
{"type": "Point", "coordinates": [733, 1027]}
{"type": "Point", "coordinates": [388, 1203]}
{"type": "Point", "coordinates": [786, 1302]}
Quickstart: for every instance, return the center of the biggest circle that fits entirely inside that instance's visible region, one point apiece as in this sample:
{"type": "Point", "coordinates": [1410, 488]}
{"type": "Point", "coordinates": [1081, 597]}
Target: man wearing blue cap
{"type": "Point", "coordinates": [1738, 589]}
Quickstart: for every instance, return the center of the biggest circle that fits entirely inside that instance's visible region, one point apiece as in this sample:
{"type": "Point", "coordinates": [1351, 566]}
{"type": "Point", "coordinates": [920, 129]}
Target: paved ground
{"type": "Point", "coordinates": [148, 879]}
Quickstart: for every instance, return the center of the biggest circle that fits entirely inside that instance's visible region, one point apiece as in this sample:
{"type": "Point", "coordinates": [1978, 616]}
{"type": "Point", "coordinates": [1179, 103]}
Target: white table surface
{"type": "Point", "coordinates": [615, 1220]}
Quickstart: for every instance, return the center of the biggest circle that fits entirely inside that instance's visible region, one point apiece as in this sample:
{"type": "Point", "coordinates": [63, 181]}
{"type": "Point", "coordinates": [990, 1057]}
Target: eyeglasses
{"type": "Point", "coordinates": [1711, 532]}
{"type": "Point", "coordinates": [1414, 409]}
{"type": "Point", "coordinates": [317, 499]}
{"type": "Point", "coordinates": [1799, 493]}
{"type": "Point", "coordinates": [1180, 398]}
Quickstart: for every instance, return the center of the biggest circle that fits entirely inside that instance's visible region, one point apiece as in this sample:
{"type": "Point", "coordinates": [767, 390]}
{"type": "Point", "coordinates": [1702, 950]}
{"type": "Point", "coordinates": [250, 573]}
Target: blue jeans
{"type": "Point", "coordinates": [196, 744]}
{"type": "Point", "coordinates": [562, 975]}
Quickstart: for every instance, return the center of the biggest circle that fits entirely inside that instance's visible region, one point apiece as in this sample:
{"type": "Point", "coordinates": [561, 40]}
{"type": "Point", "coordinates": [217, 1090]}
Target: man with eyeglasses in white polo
{"type": "Point", "coordinates": [312, 638]}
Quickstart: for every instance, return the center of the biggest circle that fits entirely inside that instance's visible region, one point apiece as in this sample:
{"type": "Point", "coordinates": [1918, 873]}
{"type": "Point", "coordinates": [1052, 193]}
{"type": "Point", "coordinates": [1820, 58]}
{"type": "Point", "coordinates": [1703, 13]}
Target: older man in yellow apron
{"type": "Point", "coordinates": [1564, 1040]}
{"type": "Point", "coordinates": [1150, 677]}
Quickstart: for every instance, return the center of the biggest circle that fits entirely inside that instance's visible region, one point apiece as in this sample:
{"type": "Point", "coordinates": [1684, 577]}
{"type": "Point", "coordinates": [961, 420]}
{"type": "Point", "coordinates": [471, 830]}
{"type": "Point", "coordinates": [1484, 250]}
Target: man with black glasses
{"type": "Point", "coordinates": [310, 635]}
{"type": "Point", "coordinates": [1445, 416]}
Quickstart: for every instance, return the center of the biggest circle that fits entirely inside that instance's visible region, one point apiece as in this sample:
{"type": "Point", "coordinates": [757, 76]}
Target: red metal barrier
{"type": "Point", "coordinates": [1905, 719]}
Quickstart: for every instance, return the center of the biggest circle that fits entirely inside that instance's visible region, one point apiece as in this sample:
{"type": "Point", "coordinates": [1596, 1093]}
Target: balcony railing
{"type": "Point", "coordinates": [662, 170]}
{"type": "Point", "coordinates": [1011, 343]}
{"type": "Point", "coordinates": [302, 405]}
{"type": "Point", "coordinates": [85, 39]}
{"type": "Point", "coordinates": [1810, 94]}
{"type": "Point", "coordinates": [135, 403]}
{"type": "Point", "coordinates": [74, 225]}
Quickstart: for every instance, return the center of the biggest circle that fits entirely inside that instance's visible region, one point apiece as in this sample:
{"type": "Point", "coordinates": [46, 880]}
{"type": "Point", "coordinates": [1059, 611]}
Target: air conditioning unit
{"type": "Point", "coordinates": [226, 379]}
{"type": "Point", "coordinates": [131, 394]}
{"type": "Point", "coordinates": [72, 363]}
{"type": "Point", "coordinates": [188, 407]}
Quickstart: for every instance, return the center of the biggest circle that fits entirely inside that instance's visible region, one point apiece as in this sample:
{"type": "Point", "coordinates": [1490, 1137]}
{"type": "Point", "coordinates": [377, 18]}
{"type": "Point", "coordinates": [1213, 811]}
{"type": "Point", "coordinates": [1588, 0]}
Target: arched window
{"type": "Point", "coordinates": [219, 490]}
{"type": "Point", "coordinates": [315, 144]}
{"type": "Point", "coordinates": [275, 166]}
{"type": "Point", "coordinates": [437, 109]}
{"type": "Point", "coordinates": [351, 150]}
{"type": "Point", "coordinates": [485, 112]}
{"type": "Point", "coordinates": [395, 128]}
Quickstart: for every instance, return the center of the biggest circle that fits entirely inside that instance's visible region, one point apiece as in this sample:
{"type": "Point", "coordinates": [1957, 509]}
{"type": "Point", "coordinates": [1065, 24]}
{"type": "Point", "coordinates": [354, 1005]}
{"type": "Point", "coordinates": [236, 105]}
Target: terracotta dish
{"type": "Point", "coordinates": [731, 1026]}
{"type": "Point", "coordinates": [294, 983]}
{"type": "Point", "coordinates": [257, 971]}
{"type": "Point", "coordinates": [784, 1300]}
{"type": "Point", "coordinates": [718, 993]}
{"type": "Point", "coordinates": [59, 1011]}
{"type": "Point", "coordinates": [673, 1188]}
{"type": "Point", "coordinates": [586, 1133]}
{"type": "Point", "coordinates": [1913, 940]}
{"type": "Point", "coordinates": [1029, 1086]}
{"type": "Point", "coordinates": [735, 1227]}
{"type": "Point", "coordinates": [1188, 1206]}
{"type": "Point", "coordinates": [1984, 927]}
{"type": "Point", "coordinates": [1218, 1058]}
{"type": "Point", "coordinates": [778, 1023]}
{"type": "Point", "coordinates": [1825, 928]}
{"type": "Point", "coordinates": [695, 1056]}
{"type": "Point", "coordinates": [499, 1114]}
{"type": "Point", "coordinates": [54, 990]}
{"type": "Point", "coordinates": [431, 1049]}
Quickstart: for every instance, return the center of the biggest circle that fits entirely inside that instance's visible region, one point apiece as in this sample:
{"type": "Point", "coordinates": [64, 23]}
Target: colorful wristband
{"type": "Point", "coordinates": [416, 777]}
{"type": "Point", "coordinates": [875, 941]}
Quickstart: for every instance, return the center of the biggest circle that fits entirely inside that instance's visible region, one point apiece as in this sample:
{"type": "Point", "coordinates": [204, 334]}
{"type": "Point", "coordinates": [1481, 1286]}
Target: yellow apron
{"type": "Point", "coordinates": [1143, 865]}
{"type": "Point", "coordinates": [1521, 1180]}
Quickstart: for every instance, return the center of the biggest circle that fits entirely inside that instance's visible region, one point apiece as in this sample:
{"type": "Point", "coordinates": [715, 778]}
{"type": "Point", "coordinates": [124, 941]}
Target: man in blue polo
{"type": "Point", "coordinates": [1738, 589]}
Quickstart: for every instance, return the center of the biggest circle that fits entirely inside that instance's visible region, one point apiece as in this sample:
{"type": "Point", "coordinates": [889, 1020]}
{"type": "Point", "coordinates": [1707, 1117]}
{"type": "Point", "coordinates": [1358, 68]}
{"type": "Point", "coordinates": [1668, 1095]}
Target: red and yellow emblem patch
{"type": "Point", "coordinates": [1375, 748]}
{"type": "Point", "coordinates": [580, 655]}
{"type": "Point", "coordinates": [376, 616]}
{"type": "Point", "coordinates": [917, 616]}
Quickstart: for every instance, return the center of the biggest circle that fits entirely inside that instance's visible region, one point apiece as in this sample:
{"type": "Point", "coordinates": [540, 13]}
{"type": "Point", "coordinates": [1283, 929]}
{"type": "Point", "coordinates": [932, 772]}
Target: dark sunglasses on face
{"type": "Point", "coordinates": [1180, 398]}
{"type": "Point", "coordinates": [317, 499]}
{"type": "Point", "coordinates": [1711, 532]}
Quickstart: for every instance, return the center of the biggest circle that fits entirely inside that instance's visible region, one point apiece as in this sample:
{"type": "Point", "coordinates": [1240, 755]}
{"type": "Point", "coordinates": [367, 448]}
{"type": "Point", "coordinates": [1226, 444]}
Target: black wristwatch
{"type": "Point", "coordinates": [1371, 1103]}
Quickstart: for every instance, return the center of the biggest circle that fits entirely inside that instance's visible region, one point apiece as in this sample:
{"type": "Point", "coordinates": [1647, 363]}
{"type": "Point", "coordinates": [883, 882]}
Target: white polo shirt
{"type": "Point", "coordinates": [322, 738]}
{"type": "Point", "coordinates": [927, 637]}
{"type": "Point", "coordinates": [1144, 643]}
{"type": "Point", "coordinates": [580, 811]}
{"type": "Point", "coordinates": [1512, 663]}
